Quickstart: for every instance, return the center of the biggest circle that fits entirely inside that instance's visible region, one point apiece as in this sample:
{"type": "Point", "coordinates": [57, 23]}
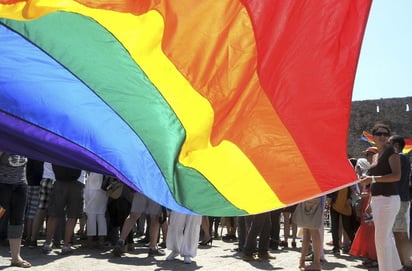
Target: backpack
{"type": "Point", "coordinates": [113, 186]}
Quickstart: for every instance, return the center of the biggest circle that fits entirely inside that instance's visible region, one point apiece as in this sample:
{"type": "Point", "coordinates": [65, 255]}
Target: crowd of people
{"type": "Point", "coordinates": [369, 219]}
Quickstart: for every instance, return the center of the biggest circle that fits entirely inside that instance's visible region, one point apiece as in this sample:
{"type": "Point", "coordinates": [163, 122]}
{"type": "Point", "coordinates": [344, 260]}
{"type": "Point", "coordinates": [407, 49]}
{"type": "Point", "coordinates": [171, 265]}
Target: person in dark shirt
{"type": "Point", "coordinates": [34, 174]}
{"type": "Point", "coordinates": [66, 198]}
{"type": "Point", "coordinates": [401, 226]}
{"type": "Point", "coordinates": [13, 197]}
{"type": "Point", "coordinates": [383, 175]}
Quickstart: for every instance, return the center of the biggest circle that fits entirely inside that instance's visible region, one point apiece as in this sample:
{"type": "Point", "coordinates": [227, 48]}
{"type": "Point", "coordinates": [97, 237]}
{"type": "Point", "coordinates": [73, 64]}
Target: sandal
{"type": "Point", "coordinates": [21, 263]}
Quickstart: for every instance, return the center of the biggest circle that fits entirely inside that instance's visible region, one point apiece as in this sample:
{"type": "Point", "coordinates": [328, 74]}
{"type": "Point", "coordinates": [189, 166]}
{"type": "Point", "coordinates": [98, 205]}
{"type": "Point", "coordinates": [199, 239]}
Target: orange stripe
{"type": "Point", "coordinates": [235, 92]}
{"type": "Point", "coordinates": [221, 65]}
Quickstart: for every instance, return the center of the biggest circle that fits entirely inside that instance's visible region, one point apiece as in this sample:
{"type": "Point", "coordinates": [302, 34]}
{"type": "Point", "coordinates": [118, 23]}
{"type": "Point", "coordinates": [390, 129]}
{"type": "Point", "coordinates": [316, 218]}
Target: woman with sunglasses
{"type": "Point", "coordinates": [383, 174]}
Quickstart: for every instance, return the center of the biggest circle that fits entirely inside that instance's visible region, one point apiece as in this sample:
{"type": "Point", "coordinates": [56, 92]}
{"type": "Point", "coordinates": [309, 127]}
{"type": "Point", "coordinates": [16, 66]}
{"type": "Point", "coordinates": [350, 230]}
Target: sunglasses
{"type": "Point", "coordinates": [385, 134]}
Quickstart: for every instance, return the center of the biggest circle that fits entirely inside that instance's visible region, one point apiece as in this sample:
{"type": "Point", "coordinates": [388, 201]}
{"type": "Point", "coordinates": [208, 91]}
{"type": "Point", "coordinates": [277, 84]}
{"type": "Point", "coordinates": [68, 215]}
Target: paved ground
{"type": "Point", "coordinates": [220, 256]}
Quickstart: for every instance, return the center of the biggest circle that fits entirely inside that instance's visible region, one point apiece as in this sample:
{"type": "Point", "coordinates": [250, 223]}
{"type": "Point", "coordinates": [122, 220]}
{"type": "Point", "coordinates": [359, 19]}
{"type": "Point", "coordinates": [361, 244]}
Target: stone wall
{"type": "Point", "coordinates": [395, 112]}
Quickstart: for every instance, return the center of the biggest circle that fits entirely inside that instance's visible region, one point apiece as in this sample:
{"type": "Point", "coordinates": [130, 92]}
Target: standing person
{"type": "Point", "coordinates": [214, 222]}
{"type": "Point", "coordinates": [401, 226]}
{"type": "Point", "coordinates": [34, 173]}
{"type": "Point", "coordinates": [243, 227]}
{"type": "Point", "coordinates": [287, 225]}
{"type": "Point", "coordinates": [260, 225]}
{"type": "Point", "coordinates": [383, 174]}
{"type": "Point", "coordinates": [95, 205]}
{"type": "Point", "coordinates": [183, 235]}
{"type": "Point", "coordinates": [66, 198]}
{"type": "Point", "coordinates": [164, 226]}
{"type": "Point", "coordinates": [118, 211]}
{"type": "Point", "coordinates": [341, 210]}
{"type": "Point", "coordinates": [46, 186]}
{"type": "Point", "coordinates": [363, 244]}
{"type": "Point", "coordinates": [207, 239]}
{"type": "Point", "coordinates": [231, 225]}
{"type": "Point", "coordinates": [309, 216]}
{"type": "Point", "coordinates": [141, 204]}
{"type": "Point", "coordinates": [13, 197]}
{"type": "Point", "coordinates": [274, 229]}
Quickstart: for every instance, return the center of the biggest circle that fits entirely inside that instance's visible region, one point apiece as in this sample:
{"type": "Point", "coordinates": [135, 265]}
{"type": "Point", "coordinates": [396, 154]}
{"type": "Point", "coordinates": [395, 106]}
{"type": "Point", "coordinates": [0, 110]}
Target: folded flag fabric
{"type": "Point", "coordinates": [367, 137]}
{"type": "Point", "coordinates": [219, 108]}
{"type": "Point", "coordinates": [408, 145]}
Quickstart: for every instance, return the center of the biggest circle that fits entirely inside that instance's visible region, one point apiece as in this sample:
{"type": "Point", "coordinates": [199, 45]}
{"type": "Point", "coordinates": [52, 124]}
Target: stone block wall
{"type": "Point", "coordinates": [395, 112]}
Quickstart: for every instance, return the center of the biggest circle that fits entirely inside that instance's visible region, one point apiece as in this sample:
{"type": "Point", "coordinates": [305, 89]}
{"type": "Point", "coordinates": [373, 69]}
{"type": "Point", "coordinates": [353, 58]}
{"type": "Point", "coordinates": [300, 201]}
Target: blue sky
{"type": "Point", "coordinates": [385, 65]}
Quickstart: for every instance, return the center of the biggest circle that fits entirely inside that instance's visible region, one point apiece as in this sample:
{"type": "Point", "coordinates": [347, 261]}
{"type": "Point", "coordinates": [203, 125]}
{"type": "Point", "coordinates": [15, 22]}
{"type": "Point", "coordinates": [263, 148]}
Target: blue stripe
{"type": "Point", "coordinates": [39, 90]}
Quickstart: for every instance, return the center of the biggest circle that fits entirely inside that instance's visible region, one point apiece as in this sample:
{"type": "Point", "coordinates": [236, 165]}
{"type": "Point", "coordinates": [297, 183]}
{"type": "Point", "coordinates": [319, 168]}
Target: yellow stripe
{"type": "Point", "coordinates": [225, 165]}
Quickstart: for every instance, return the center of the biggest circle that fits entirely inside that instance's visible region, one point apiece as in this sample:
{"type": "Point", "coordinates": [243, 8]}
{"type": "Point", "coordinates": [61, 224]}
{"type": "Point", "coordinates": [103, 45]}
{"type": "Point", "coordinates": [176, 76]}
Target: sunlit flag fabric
{"type": "Point", "coordinates": [367, 137]}
{"type": "Point", "coordinates": [220, 108]}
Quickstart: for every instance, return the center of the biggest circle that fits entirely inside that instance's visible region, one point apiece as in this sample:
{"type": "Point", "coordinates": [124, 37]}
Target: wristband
{"type": "Point", "coordinates": [373, 179]}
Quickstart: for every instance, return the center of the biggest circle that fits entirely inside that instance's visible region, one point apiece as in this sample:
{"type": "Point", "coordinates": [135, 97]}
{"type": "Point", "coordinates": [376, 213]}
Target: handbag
{"type": "Point", "coordinates": [309, 214]}
{"type": "Point", "coordinates": [113, 186]}
{"type": "Point", "coordinates": [340, 205]}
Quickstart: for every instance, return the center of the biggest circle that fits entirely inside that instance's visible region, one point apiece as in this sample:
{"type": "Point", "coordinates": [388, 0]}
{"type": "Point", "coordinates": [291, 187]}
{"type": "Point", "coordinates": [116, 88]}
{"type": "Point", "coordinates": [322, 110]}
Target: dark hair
{"type": "Point", "coordinates": [398, 139]}
{"type": "Point", "coordinates": [353, 161]}
{"type": "Point", "coordinates": [380, 125]}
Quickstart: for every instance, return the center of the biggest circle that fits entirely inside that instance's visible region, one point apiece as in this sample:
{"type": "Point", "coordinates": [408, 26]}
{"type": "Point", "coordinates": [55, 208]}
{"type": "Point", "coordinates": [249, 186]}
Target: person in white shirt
{"type": "Point", "coordinates": [95, 205]}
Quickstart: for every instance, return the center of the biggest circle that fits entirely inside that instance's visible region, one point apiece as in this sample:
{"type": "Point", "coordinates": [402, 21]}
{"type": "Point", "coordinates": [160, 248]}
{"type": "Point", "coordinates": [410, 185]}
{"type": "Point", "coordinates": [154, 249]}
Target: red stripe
{"type": "Point", "coordinates": [308, 52]}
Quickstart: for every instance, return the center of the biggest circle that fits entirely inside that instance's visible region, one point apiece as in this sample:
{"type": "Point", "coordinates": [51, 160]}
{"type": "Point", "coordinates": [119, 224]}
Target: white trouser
{"type": "Point", "coordinates": [96, 222]}
{"type": "Point", "coordinates": [384, 210]}
{"type": "Point", "coordinates": [183, 233]}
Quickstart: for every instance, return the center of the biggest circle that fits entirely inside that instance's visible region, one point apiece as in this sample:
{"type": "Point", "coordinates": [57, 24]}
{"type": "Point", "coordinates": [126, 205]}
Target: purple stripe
{"type": "Point", "coordinates": [21, 137]}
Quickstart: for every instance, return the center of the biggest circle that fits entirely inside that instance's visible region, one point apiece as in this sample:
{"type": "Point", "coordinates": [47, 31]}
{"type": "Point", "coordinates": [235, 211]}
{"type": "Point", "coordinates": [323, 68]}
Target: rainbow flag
{"type": "Point", "coordinates": [219, 108]}
{"type": "Point", "coordinates": [408, 145]}
{"type": "Point", "coordinates": [369, 138]}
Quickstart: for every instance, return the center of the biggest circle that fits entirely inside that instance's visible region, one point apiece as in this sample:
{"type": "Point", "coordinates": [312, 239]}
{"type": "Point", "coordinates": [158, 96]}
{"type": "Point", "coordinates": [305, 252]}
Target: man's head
{"type": "Point", "coordinates": [397, 142]}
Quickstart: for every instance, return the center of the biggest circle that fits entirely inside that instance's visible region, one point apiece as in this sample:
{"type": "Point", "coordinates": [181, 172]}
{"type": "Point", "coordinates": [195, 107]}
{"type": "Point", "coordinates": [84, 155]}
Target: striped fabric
{"type": "Point", "coordinates": [219, 108]}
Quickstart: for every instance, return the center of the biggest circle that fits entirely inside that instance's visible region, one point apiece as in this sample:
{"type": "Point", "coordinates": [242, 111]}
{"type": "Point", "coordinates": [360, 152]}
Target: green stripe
{"type": "Point", "coordinates": [104, 65]}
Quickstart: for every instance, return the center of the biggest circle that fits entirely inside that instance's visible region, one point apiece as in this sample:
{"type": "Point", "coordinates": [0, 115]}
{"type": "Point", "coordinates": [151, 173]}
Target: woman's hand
{"type": "Point", "coordinates": [365, 180]}
{"type": "Point", "coordinates": [364, 194]}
